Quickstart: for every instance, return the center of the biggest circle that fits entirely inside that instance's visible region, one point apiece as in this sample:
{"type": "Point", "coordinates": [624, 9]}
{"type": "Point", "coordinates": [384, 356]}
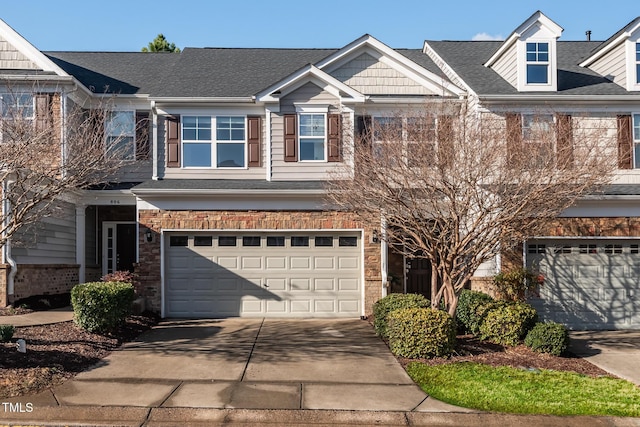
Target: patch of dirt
{"type": "Point", "coordinates": [57, 352]}
{"type": "Point", "coordinates": [14, 311]}
{"type": "Point", "coordinates": [471, 349]}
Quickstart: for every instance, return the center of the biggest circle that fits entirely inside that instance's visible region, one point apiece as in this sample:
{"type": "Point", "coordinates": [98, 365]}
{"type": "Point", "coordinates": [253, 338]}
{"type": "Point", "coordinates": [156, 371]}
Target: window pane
{"type": "Point", "coordinates": [196, 155]}
{"type": "Point", "coordinates": [311, 124]}
{"type": "Point", "coordinates": [120, 147]}
{"type": "Point", "coordinates": [178, 240]}
{"type": "Point", "coordinates": [227, 241]}
{"type": "Point", "coordinates": [311, 149]}
{"type": "Point", "coordinates": [251, 241]}
{"type": "Point", "coordinates": [324, 241]}
{"type": "Point", "coordinates": [636, 155]}
{"type": "Point", "coordinates": [387, 128]}
{"type": "Point", "coordinates": [275, 240]}
{"type": "Point", "coordinates": [636, 127]}
{"type": "Point", "coordinates": [299, 241]}
{"type": "Point", "coordinates": [230, 155]}
{"type": "Point", "coordinates": [537, 73]}
{"type": "Point", "coordinates": [348, 241]}
{"type": "Point", "coordinates": [637, 73]}
{"type": "Point", "coordinates": [17, 105]}
{"type": "Point", "coordinates": [120, 123]}
{"type": "Point", "coordinates": [196, 128]}
{"type": "Point", "coordinates": [229, 128]}
{"type": "Point", "coordinates": [638, 52]}
{"type": "Point", "coordinates": [203, 241]}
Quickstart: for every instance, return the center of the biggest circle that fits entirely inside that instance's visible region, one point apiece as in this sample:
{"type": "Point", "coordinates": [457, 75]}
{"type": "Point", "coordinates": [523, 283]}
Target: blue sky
{"type": "Point", "coordinates": [129, 25]}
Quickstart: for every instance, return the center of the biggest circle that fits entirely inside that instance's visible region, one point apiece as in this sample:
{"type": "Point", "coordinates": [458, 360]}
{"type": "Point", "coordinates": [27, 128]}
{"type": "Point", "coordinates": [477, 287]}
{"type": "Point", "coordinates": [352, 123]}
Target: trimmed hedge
{"type": "Point", "coordinates": [549, 337]}
{"type": "Point", "coordinates": [421, 333]}
{"type": "Point", "coordinates": [6, 332]}
{"type": "Point", "coordinates": [466, 315]}
{"type": "Point", "coordinates": [391, 302]}
{"type": "Point", "coordinates": [508, 323]}
{"type": "Point", "coordinates": [101, 307]}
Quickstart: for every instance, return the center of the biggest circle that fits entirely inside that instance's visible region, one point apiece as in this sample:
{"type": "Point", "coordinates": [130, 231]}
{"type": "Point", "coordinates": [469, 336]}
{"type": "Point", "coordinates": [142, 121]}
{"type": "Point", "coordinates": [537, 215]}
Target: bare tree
{"type": "Point", "coordinates": [45, 157]}
{"type": "Point", "coordinates": [458, 187]}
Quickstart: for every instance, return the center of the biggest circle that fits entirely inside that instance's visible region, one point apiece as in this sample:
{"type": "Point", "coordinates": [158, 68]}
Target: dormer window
{"type": "Point", "coordinates": [537, 63]}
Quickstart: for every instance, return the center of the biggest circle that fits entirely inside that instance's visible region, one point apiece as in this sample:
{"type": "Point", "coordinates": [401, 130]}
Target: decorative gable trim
{"type": "Point", "coordinates": [28, 50]}
{"type": "Point", "coordinates": [310, 73]}
{"type": "Point", "coordinates": [369, 44]}
{"type": "Point", "coordinates": [536, 18]}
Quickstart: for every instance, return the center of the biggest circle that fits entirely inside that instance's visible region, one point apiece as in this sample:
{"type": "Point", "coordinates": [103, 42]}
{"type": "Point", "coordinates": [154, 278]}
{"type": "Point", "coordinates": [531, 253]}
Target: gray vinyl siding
{"type": "Point", "coordinates": [370, 76]}
{"type": "Point", "coordinates": [298, 171]}
{"type": "Point", "coordinates": [11, 58]}
{"type": "Point", "coordinates": [51, 241]}
{"type": "Point", "coordinates": [507, 66]}
{"type": "Point", "coordinates": [177, 173]}
{"type": "Point", "coordinates": [613, 66]}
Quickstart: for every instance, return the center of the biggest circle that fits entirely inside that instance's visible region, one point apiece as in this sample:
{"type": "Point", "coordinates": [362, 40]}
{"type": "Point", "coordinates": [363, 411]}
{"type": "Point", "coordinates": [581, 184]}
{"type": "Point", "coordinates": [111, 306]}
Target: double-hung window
{"type": "Point", "coordinates": [16, 110]}
{"type": "Point", "coordinates": [120, 130]}
{"type": "Point", "coordinates": [636, 140]}
{"type": "Point", "coordinates": [224, 148]}
{"type": "Point", "coordinates": [537, 56]}
{"type": "Point", "coordinates": [313, 136]}
{"type": "Point", "coordinates": [416, 136]}
{"type": "Point", "coordinates": [538, 136]}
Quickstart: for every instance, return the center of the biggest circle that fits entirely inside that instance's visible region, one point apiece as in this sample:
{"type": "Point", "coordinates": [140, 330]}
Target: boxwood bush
{"type": "Point", "coordinates": [549, 337]}
{"type": "Point", "coordinates": [391, 302]}
{"type": "Point", "coordinates": [421, 332]}
{"type": "Point", "coordinates": [101, 307]}
{"type": "Point", "coordinates": [508, 323]}
{"type": "Point", "coordinates": [466, 316]}
{"type": "Point", "coordinates": [6, 333]}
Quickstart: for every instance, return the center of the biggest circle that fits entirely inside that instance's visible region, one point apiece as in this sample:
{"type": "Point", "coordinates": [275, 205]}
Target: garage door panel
{"type": "Point", "coordinates": [322, 278]}
{"type": "Point", "coordinates": [589, 284]}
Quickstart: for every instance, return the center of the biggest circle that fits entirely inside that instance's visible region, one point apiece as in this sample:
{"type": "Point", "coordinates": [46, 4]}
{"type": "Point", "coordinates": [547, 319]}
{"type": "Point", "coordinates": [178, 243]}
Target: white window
{"type": "Point", "coordinates": [120, 130]}
{"type": "Point", "coordinates": [636, 140]}
{"type": "Point", "coordinates": [225, 148]}
{"type": "Point", "coordinates": [537, 56]}
{"type": "Point", "coordinates": [17, 106]}
{"type": "Point", "coordinates": [412, 132]}
{"type": "Point", "coordinates": [537, 128]}
{"type": "Point", "coordinates": [313, 133]}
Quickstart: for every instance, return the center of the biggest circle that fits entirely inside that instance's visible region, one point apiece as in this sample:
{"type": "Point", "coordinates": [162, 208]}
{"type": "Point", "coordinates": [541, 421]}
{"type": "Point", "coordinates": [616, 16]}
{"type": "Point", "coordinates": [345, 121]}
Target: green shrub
{"type": "Point", "coordinates": [514, 285]}
{"type": "Point", "coordinates": [391, 302]}
{"type": "Point", "coordinates": [465, 311]}
{"type": "Point", "coordinates": [549, 337]}
{"type": "Point", "coordinates": [508, 323]}
{"type": "Point", "coordinates": [421, 332]}
{"type": "Point", "coordinates": [101, 307]}
{"type": "Point", "coordinates": [6, 332]}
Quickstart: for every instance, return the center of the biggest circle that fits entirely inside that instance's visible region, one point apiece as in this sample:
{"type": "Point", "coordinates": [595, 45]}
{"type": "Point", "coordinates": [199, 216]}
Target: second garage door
{"type": "Point", "coordinates": [272, 274]}
{"type": "Point", "coordinates": [589, 284]}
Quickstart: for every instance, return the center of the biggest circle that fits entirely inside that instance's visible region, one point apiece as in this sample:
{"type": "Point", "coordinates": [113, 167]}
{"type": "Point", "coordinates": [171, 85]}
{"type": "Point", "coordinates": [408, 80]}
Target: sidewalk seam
{"type": "Point", "coordinates": [255, 341]}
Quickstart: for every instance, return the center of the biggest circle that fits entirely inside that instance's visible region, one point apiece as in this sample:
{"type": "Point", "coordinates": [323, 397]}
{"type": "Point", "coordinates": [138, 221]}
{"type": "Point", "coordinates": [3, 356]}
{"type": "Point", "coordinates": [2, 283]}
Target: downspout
{"type": "Point", "coordinates": [6, 248]}
{"type": "Point", "coordinates": [267, 132]}
{"type": "Point", "coordinates": [384, 257]}
{"type": "Point", "coordinates": [63, 132]}
{"type": "Point", "coordinates": [154, 142]}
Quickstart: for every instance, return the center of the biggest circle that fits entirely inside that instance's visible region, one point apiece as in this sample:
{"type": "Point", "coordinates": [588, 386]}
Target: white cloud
{"type": "Point", "coordinates": [487, 37]}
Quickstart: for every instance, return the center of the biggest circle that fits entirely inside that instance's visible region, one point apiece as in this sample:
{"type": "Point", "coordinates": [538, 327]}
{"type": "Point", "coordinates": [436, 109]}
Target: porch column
{"type": "Point", "coordinates": [80, 241]}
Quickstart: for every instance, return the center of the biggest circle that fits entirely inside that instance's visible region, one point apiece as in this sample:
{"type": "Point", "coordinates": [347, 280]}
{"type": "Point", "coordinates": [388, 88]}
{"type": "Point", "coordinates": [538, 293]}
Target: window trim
{"type": "Point", "coordinates": [133, 136]}
{"type": "Point", "coordinates": [552, 68]}
{"type": "Point", "coordinates": [537, 61]}
{"type": "Point", "coordinates": [406, 141]}
{"type": "Point", "coordinates": [213, 142]}
{"type": "Point", "coordinates": [324, 138]}
{"type": "Point", "coordinates": [13, 97]}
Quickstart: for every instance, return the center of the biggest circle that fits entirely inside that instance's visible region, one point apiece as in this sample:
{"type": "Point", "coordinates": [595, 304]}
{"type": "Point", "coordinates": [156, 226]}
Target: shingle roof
{"type": "Point", "coordinates": [196, 72]}
{"type": "Point", "coordinates": [126, 73]}
{"type": "Point", "coordinates": [467, 58]}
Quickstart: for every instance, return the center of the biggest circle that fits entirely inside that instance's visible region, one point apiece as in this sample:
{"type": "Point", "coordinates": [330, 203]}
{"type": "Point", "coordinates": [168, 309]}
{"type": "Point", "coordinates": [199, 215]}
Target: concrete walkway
{"type": "Point", "coordinates": [39, 317]}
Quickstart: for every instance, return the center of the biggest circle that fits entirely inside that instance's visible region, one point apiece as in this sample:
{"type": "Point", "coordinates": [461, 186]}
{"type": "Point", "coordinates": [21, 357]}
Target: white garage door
{"type": "Point", "coordinates": [589, 284]}
{"type": "Point", "coordinates": [275, 274]}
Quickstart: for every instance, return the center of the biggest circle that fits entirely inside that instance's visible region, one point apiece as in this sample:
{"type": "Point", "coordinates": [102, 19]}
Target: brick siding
{"type": "Point", "coordinates": [44, 279]}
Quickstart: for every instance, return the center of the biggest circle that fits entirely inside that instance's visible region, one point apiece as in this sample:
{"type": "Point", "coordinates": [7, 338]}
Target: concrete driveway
{"type": "Point", "coordinates": [617, 352]}
{"type": "Point", "coordinates": [253, 364]}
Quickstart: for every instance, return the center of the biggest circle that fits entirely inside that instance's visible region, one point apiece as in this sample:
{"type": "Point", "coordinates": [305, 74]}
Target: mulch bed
{"type": "Point", "coordinates": [57, 352]}
{"type": "Point", "coordinates": [471, 349]}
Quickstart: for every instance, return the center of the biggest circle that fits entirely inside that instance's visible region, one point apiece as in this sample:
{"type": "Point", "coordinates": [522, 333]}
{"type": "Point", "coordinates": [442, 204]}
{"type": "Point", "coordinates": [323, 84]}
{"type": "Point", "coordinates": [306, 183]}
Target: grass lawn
{"type": "Point", "coordinates": [518, 391]}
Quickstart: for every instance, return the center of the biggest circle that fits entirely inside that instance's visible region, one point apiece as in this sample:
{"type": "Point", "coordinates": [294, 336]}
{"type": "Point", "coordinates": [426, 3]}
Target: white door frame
{"type": "Point", "coordinates": [110, 242]}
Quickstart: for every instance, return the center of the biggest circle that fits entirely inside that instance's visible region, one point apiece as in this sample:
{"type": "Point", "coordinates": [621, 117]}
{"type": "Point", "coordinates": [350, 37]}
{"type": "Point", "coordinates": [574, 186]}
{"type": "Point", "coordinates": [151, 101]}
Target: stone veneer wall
{"type": "Point", "coordinates": [148, 268]}
{"type": "Point", "coordinates": [4, 276]}
{"type": "Point", "coordinates": [44, 279]}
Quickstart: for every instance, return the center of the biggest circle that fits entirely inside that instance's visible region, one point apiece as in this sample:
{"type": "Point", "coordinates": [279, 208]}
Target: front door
{"type": "Point", "coordinates": [118, 246]}
{"type": "Point", "coordinates": [419, 276]}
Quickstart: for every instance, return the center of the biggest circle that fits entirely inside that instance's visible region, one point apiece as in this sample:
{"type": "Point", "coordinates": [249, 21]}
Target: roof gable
{"type": "Point", "coordinates": [392, 60]}
{"type": "Point", "coordinates": [605, 47]}
{"type": "Point", "coordinates": [29, 56]}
